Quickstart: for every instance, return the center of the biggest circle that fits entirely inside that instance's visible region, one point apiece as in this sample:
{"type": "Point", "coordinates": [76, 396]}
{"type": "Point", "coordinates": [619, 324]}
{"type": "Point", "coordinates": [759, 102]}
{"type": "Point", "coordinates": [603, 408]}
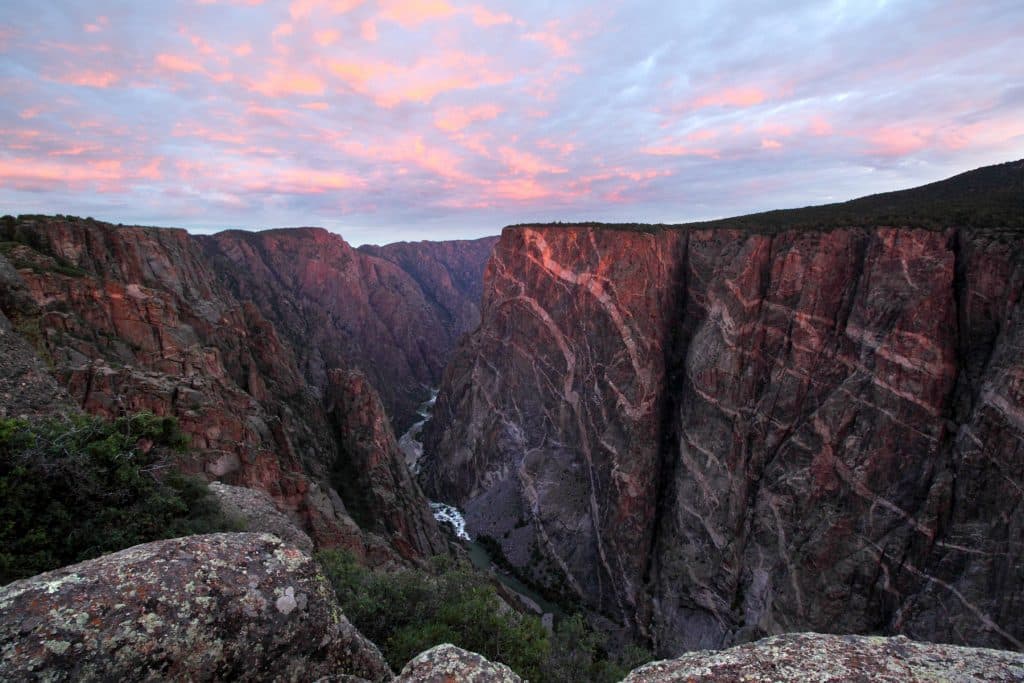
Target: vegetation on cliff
{"type": "Point", "coordinates": [76, 487]}
{"type": "Point", "coordinates": [409, 611]}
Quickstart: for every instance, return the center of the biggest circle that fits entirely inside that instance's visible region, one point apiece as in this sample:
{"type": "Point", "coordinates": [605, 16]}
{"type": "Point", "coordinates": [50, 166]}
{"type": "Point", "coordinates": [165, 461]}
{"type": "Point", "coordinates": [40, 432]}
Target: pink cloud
{"type": "Point", "coordinates": [98, 25]}
{"type": "Point", "coordinates": [184, 130]}
{"type": "Point", "coordinates": [820, 126]}
{"type": "Point", "coordinates": [368, 31]}
{"type": "Point", "coordinates": [390, 84]}
{"type": "Point", "coordinates": [413, 12]}
{"type": "Point", "coordinates": [243, 49]}
{"type": "Point", "coordinates": [899, 140]}
{"type": "Point", "coordinates": [300, 9]}
{"type": "Point", "coordinates": [280, 83]}
{"type": "Point", "coordinates": [675, 150]}
{"type": "Point", "coordinates": [316, 106]}
{"type": "Point", "coordinates": [518, 189]}
{"type": "Point", "coordinates": [151, 171]}
{"type": "Point", "coordinates": [552, 39]}
{"type": "Point", "coordinates": [524, 163]}
{"type": "Point", "coordinates": [178, 64]}
{"type": "Point", "coordinates": [731, 97]}
{"type": "Point", "coordinates": [90, 79]}
{"type": "Point", "coordinates": [326, 38]}
{"type": "Point", "coordinates": [563, 148]}
{"type": "Point", "coordinates": [485, 18]}
{"type": "Point", "coordinates": [34, 174]}
{"type": "Point", "coordinates": [456, 118]}
{"type": "Point", "coordinates": [768, 143]}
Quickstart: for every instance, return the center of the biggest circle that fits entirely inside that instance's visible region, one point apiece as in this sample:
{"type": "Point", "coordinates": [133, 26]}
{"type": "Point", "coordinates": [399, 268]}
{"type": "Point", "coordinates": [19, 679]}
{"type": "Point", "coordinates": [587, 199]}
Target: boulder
{"type": "Point", "coordinates": [240, 607]}
{"type": "Point", "coordinates": [446, 663]}
{"type": "Point", "coordinates": [257, 510]}
{"type": "Point", "coordinates": [821, 658]}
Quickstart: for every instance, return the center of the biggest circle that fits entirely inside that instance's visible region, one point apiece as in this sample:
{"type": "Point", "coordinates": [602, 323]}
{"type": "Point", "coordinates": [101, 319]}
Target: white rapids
{"type": "Point", "coordinates": [449, 514]}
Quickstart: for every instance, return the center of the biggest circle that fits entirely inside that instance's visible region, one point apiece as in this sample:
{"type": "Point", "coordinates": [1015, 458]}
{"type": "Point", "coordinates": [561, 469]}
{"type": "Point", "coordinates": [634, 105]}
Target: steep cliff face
{"type": "Point", "coordinates": [711, 434]}
{"type": "Point", "coordinates": [451, 276]}
{"type": "Point", "coordinates": [136, 319]}
{"type": "Point", "coordinates": [342, 307]}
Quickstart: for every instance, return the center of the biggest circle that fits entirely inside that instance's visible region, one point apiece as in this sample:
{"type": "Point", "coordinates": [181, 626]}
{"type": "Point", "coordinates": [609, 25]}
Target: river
{"type": "Point", "coordinates": [412, 449]}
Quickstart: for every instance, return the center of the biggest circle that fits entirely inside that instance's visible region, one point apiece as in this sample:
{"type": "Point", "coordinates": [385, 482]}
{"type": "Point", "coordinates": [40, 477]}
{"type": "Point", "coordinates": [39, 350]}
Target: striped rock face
{"type": "Point", "coordinates": [712, 435]}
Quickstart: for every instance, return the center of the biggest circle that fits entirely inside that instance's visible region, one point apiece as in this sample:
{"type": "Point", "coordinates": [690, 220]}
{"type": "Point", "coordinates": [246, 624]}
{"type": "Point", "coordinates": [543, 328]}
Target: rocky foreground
{"type": "Point", "coordinates": [249, 607]}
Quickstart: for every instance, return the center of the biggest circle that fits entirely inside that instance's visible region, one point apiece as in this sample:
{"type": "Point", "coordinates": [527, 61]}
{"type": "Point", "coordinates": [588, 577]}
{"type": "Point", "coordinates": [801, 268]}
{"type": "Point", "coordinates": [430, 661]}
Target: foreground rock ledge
{"type": "Point", "coordinates": [244, 607]}
{"type": "Point", "coordinates": [820, 658]}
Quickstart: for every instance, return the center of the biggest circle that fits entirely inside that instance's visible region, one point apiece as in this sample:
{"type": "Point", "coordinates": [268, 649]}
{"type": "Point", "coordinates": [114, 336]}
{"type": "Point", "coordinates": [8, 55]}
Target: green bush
{"type": "Point", "coordinates": [409, 611]}
{"type": "Point", "coordinates": [77, 487]}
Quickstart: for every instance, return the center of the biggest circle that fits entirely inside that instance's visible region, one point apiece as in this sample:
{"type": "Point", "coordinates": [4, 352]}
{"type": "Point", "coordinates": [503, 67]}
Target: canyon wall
{"type": "Point", "coordinates": [393, 312]}
{"type": "Point", "coordinates": [712, 433]}
{"type": "Point", "coordinates": [132, 319]}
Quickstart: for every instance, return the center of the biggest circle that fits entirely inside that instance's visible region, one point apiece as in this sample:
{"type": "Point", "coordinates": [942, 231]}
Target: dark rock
{"type": "Point", "coordinates": [358, 308]}
{"type": "Point", "coordinates": [823, 658]}
{"type": "Point", "coordinates": [244, 607]}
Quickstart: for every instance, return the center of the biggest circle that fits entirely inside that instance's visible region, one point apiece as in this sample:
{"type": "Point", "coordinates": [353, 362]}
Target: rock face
{"type": "Point", "coordinates": [447, 663]}
{"type": "Point", "coordinates": [371, 475]}
{"type": "Point", "coordinates": [241, 607]}
{"type": "Point", "coordinates": [450, 274]}
{"type": "Point", "coordinates": [26, 385]}
{"type": "Point", "coordinates": [259, 514]}
{"type": "Point", "coordinates": [822, 658]}
{"type": "Point", "coordinates": [714, 434]}
{"type": "Point", "coordinates": [137, 319]}
{"type": "Point", "coordinates": [341, 307]}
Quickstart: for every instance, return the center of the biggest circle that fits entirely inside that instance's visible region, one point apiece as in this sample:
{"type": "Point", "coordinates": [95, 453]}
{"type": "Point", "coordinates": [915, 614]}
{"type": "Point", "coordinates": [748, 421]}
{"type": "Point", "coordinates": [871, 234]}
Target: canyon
{"type": "Point", "coordinates": [702, 435]}
{"type": "Point", "coordinates": [710, 433]}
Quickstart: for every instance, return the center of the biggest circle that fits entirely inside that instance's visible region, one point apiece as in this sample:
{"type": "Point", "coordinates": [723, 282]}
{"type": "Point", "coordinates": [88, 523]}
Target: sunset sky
{"type": "Point", "coordinates": [434, 119]}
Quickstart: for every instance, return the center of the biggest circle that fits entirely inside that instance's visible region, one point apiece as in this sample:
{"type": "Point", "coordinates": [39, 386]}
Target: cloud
{"type": "Point", "coordinates": [413, 12]}
{"type": "Point", "coordinates": [456, 118]}
{"type": "Point", "coordinates": [178, 63]}
{"type": "Point", "coordinates": [389, 114]}
{"type": "Point", "coordinates": [90, 79]}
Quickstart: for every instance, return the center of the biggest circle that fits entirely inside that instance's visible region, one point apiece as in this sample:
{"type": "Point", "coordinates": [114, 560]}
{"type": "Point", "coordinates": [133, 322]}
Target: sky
{"type": "Point", "coordinates": [389, 120]}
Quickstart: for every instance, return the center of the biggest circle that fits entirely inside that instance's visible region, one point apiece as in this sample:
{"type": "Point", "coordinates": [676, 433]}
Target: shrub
{"type": "Point", "coordinates": [409, 611]}
{"type": "Point", "coordinates": [77, 487]}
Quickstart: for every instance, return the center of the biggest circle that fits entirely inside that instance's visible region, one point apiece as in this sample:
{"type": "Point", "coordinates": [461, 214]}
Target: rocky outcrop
{"type": "Point", "coordinates": [711, 434]}
{"type": "Point", "coordinates": [26, 385]}
{"type": "Point", "coordinates": [823, 658]}
{"type": "Point", "coordinates": [138, 319]}
{"type": "Point", "coordinates": [447, 663]}
{"type": "Point", "coordinates": [341, 307]}
{"type": "Point", "coordinates": [256, 511]}
{"type": "Point", "coordinates": [243, 607]}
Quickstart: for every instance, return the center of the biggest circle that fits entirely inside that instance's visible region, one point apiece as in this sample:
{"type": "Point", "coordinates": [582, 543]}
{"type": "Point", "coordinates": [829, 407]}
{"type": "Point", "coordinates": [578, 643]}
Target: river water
{"type": "Point", "coordinates": [412, 449]}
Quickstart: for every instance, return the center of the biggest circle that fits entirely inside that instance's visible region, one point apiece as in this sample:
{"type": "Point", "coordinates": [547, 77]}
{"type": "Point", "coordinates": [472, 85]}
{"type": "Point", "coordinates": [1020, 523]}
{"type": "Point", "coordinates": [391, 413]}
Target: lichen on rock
{"type": "Point", "coordinates": [819, 658]}
{"type": "Point", "coordinates": [445, 663]}
{"type": "Point", "coordinates": [243, 607]}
